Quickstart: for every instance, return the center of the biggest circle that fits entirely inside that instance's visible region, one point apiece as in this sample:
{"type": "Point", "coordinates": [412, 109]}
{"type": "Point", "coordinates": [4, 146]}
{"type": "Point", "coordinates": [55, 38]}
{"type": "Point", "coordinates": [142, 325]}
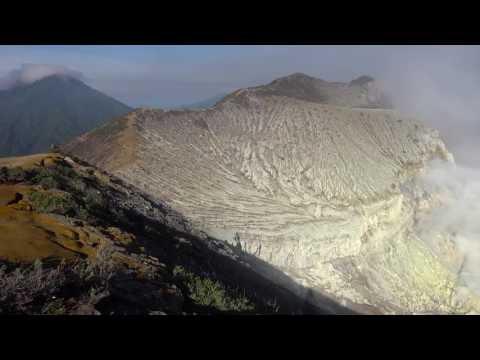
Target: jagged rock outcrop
{"type": "Point", "coordinates": [308, 180]}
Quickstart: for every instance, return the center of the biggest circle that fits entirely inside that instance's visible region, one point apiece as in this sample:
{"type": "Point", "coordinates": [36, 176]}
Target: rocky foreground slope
{"type": "Point", "coordinates": [75, 240]}
{"type": "Point", "coordinates": [320, 182]}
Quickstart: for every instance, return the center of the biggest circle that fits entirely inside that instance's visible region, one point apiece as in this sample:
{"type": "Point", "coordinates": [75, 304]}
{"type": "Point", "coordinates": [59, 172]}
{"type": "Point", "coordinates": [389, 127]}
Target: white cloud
{"type": "Point", "coordinates": [29, 73]}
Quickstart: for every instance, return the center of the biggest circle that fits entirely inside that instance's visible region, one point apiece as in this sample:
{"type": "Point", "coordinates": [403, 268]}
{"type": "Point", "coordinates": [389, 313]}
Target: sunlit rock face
{"type": "Point", "coordinates": [326, 193]}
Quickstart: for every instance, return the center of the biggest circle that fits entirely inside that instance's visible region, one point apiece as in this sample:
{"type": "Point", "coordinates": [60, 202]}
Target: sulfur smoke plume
{"type": "Point", "coordinates": [444, 92]}
{"type": "Point", "coordinates": [458, 215]}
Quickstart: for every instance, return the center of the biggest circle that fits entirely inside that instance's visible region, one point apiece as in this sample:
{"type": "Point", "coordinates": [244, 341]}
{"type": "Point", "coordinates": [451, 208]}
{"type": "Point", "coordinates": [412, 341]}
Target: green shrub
{"type": "Point", "coordinates": [46, 178]}
{"type": "Point", "coordinates": [208, 292]}
{"type": "Point", "coordinates": [66, 171]}
{"type": "Point", "coordinates": [59, 203]}
{"type": "Point", "coordinates": [59, 176]}
{"type": "Point", "coordinates": [16, 174]}
{"type": "Point", "coordinates": [94, 201]}
{"type": "Point", "coordinates": [40, 289]}
{"type": "Point", "coordinates": [79, 200]}
{"type": "Point", "coordinates": [48, 183]}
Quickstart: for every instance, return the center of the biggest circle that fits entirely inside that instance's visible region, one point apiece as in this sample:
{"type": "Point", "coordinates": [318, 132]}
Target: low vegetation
{"type": "Point", "coordinates": [206, 291]}
{"type": "Point", "coordinates": [61, 190]}
{"type": "Point", "coordinates": [51, 202]}
{"type": "Point", "coordinates": [16, 174]}
{"type": "Point", "coordinates": [55, 288]}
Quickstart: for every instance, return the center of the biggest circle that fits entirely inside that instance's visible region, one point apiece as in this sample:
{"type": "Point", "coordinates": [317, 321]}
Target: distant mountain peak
{"type": "Point", "coordinates": [56, 107]}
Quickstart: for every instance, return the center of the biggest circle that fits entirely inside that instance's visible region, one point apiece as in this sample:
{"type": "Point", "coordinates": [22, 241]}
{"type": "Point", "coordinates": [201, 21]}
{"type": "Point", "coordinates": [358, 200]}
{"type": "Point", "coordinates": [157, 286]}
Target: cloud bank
{"type": "Point", "coordinates": [29, 73]}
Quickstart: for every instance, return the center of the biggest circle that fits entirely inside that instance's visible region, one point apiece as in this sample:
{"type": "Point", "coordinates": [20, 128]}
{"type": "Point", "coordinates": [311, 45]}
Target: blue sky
{"type": "Point", "coordinates": [145, 75]}
{"type": "Point", "coordinates": [163, 76]}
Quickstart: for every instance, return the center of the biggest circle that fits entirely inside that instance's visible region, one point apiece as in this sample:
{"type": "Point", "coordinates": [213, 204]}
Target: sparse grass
{"type": "Point", "coordinates": [37, 289]}
{"type": "Point", "coordinates": [22, 286]}
{"type": "Point", "coordinates": [100, 270]}
{"type": "Point", "coordinates": [208, 292]}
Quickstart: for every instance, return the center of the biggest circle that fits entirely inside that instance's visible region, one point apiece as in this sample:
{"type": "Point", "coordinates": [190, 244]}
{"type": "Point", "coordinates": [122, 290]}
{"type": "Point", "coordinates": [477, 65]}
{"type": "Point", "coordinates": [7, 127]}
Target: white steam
{"type": "Point", "coordinates": [29, 73]}
{"type": "Point", "coordinates": [441, 86]}
{"type": "Point", "coordinates": [459, 213]}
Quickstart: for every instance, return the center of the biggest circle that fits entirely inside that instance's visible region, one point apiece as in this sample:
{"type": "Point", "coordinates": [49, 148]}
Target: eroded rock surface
{"type": "Point", "coordinates": [311, 183]}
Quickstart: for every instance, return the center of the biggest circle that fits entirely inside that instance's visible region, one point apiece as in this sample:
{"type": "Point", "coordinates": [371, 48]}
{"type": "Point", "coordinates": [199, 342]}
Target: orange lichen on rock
{"type": "Point", "coordinates": [23, 237]}
{"type": "Point", "coordinates": [28, 235]}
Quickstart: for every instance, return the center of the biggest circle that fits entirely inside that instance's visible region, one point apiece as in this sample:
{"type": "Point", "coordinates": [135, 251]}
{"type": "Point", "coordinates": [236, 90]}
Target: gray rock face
{"type": "Point", "coordinates": [325, 193]}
